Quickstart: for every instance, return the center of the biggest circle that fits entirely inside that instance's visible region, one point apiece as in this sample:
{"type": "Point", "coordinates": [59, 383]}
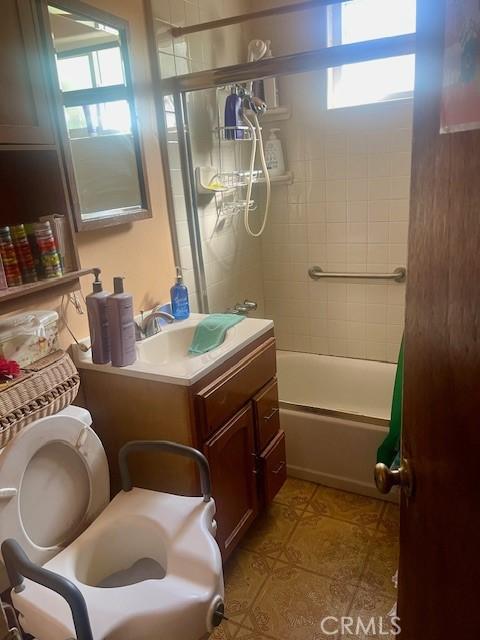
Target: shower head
{"type": "Point", "coordinates": [258, 106]}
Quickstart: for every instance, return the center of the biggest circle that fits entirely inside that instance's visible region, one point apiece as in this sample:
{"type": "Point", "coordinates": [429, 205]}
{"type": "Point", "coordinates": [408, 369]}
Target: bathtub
{"type": "Point", "coordinates": [335, 413]}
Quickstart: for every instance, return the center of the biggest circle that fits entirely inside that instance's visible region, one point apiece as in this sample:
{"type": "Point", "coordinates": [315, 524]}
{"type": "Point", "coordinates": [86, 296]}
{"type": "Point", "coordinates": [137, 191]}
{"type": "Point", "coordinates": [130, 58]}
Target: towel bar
{"type": "Point", "coordinates": [398, 275]}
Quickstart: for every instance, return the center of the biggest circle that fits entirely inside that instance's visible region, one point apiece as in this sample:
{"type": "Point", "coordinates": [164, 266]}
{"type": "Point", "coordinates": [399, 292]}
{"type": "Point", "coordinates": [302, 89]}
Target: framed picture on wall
{"type": "Point", "coordinates": [461, 71]}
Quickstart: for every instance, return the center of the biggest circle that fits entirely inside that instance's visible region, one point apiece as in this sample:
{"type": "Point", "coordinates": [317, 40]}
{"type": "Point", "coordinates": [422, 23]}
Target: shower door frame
{"type": "Point", "coordinates": [180, 86]}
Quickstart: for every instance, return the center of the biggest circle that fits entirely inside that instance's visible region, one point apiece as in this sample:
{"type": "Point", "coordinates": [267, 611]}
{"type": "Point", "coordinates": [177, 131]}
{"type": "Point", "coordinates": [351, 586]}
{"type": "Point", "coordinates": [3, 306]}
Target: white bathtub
{"type": "Point", "coordinates": [335, 413]}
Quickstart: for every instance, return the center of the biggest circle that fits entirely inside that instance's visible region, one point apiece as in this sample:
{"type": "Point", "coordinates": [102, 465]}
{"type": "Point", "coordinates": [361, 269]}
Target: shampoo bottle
{"type": "Point", "coordinates": [121, 325]}
{"type": "Point", "coordinates": [179, 298]}
{"type": "Point", "coordinates": [97, 321]}
{"type": "Point", "coordinates": [274, 155]}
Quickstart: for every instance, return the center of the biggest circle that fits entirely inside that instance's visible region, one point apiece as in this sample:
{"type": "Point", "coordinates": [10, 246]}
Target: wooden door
{"type": "Point", "coordinates": [24, 116]}
{"type": "Point", "coordinates": [231, 454]}
{"type": "Point", "coordinates": [439, 579]}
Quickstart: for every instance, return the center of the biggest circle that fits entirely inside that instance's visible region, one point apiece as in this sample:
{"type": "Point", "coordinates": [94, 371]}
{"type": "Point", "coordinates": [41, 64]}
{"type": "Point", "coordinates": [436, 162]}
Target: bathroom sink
{"type": "Point", "coordinates": [164, 357]}
{"type": "Point", "coordinates": [166, 346]}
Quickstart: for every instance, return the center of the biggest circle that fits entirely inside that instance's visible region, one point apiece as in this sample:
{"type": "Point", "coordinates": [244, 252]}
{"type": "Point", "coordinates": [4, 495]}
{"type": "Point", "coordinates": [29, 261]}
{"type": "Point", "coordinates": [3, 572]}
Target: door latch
{"type": "Point", "coordinates": [386, 478]}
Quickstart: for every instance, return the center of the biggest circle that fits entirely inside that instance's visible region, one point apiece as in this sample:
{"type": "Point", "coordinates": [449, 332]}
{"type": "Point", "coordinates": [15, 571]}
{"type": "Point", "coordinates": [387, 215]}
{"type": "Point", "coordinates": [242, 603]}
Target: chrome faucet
{"type": "Point", "coordinates": [244, 308]}
{"type": "Point", "coordinates": [148, 327]}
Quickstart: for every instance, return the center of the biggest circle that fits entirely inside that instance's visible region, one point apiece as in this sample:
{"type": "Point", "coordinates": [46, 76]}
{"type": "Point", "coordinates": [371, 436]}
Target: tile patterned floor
{"type": "Point", "coordinates": [317, 552]}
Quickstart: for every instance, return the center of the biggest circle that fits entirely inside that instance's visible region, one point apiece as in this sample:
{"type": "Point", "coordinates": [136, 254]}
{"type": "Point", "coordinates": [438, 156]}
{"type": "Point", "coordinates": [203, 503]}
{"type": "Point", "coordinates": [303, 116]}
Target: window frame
{"type": "Point", "coordinates": [84, 222]}
{"type": "Point", "coordinates": [96, 94]}
{"type": "Point", "coordinates": [334, 74]}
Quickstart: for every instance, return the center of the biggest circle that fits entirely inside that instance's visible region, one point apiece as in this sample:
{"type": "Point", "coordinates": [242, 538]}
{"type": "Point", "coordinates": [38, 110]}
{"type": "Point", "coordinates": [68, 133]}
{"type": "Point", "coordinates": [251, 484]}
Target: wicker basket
{"type": "Point", "coordinates": [46, 387]}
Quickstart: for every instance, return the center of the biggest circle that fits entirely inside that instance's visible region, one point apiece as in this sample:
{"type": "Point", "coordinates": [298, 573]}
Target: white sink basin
{"type": "Point", "coordinates": [164, 356]}
{"type": "Point", "coordinates": [167, 346]}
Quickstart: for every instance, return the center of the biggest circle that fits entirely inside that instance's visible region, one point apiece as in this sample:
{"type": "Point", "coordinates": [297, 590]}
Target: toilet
{"type": "Point", "coordinates": [146, 563]}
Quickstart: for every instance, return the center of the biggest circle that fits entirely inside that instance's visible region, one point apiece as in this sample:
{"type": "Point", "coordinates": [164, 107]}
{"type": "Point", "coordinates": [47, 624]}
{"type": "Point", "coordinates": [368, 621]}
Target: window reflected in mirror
{"type": "Point", "coordinates": [99, 117]}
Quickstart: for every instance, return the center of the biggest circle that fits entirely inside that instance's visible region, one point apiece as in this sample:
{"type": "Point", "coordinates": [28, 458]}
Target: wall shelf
{"type": "Point", "coordinates": [233, 180]}
{"type": "Point", "coordinates": [286, 178]}
{"type": "Point", "coordinates": [15, 297]}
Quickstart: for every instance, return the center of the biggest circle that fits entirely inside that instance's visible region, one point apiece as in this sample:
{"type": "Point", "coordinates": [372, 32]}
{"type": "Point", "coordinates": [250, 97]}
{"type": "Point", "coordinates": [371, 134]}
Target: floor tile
{"type": "Point", "coordinates": [370, 616]}
{"type": "Point", "coordinates": [271, 531]}
{"type": "Point", "coordinates": [301, 561]}
{"type": "Point", "coordinates": [382, 564]}
{"type": "Point", "coordinates": [226, 631]}
{"type": "Point", "coordinates": [244, 575]}
{"type": "Point", "coordinates": [293, 603]}
{"type": "Point", "coordinates": [329, 547]}
{"type": "Point", "coordinates": [296, 493]}
{"type": "Point", "coordinates": [248, 634]}
{"type": "Point", "coordinates": [347, 506]}
{"type": "Point", "coordinates": [390, 520]}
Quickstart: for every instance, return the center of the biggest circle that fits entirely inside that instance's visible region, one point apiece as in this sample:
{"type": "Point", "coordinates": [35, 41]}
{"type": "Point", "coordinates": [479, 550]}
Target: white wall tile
{"type": "Point", "coordinates": [356, 233]}
{"type": "Point", "coordinates": [336, 211]}
{"type": "Point", "coordinates": [335, 190]}
{"type": "Point", "coordinates": [357, 189]}
{"type": "Point", "coordinates": [336, 232]}
{"type": "Point", "coordinates": [357, 211]}
{"type": "Point", "coordinates": [378, 232]}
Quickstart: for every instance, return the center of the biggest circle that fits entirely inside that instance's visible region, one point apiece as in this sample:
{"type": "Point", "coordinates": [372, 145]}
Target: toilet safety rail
{"type": "Point", "coordinates": [167, 447]}
{"type": "Point", "coordinates": [19, 567]}
{"type": "Point", "coordinates": [398, 275]}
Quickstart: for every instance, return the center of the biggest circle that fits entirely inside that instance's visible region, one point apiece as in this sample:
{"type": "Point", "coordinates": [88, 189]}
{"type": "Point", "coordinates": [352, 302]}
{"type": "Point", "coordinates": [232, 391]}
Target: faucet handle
{"type": "Point", "coordinates": [139, 332]}
{"type": "Point", "coordinates": [252, 306]}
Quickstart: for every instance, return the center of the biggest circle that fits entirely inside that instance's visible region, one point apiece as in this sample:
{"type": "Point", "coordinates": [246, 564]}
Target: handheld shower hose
{"type": "Point", "coordinates": [256, 133]}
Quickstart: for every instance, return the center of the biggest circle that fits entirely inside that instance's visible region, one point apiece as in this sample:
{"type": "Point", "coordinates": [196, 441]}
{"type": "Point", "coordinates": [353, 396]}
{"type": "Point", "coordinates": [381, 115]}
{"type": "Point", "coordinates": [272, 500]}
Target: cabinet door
{"type": "Point", "coordinates": [24, 116]}
{"type": "Point", "coordinates": [231, 454]}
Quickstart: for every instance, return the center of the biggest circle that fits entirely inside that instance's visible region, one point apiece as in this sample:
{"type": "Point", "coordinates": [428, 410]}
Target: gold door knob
{"type": "Point", "coordinates": [385, 478]}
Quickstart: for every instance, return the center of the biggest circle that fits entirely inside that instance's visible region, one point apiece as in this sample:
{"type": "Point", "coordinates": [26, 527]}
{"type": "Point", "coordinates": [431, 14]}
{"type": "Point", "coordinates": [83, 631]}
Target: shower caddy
{"type": "Point", "coordinates": [227, 182]}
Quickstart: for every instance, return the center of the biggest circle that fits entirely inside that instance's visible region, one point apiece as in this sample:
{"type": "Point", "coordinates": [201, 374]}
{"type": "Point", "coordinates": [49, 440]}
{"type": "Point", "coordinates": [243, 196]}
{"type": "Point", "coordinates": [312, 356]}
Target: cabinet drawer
{"type": "Point", "coordinates": [274, 468]}
{"type": "Point", "coordinates": [221, 399]}
{"type": "Point", "coordinates": [267, 415]}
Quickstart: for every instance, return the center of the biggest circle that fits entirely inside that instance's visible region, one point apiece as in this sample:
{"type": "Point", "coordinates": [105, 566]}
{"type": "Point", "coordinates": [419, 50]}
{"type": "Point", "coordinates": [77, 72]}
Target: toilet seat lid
{"type": "Point", "coordinates": [53, 482]}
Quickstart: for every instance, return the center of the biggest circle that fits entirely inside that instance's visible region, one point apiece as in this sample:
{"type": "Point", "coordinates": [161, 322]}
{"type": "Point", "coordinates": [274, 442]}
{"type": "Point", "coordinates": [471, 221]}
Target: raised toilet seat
{"type": "Point", "coordinates": [146, 564]}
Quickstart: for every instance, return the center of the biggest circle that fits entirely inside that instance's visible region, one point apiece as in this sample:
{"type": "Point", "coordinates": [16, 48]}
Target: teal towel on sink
{"type": "Point", "coordinates": [211, 331]}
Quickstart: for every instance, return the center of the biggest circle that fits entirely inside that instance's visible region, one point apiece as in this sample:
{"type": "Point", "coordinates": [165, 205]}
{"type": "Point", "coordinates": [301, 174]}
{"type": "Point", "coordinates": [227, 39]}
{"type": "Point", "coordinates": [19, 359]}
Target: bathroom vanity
{"type": "Point", "coordinates": [224, 403]}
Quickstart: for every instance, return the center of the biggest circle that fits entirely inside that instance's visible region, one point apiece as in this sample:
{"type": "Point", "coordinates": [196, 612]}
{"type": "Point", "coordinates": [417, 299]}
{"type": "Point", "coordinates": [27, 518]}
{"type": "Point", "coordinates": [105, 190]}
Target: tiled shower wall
{"type": "Point", "coordinates": [198, 51]}
{"type": "Point", "coordinates": [347, 210]}
{"type": "Point", "coordinates": [232, 260]}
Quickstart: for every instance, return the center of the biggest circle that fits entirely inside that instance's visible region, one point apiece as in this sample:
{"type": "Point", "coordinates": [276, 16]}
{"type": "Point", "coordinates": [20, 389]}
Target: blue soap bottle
{"type": "Point", "coordinates": [179, 297]}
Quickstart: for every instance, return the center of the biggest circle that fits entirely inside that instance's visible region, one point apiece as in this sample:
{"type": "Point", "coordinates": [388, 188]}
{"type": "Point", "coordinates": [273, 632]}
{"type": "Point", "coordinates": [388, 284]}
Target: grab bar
{"type": "Point", "coordinates": [398, 275]}
{"type": "Point", "coordinates": [19, 566]}
{"type": "Point", "coordinates": [168, 447]}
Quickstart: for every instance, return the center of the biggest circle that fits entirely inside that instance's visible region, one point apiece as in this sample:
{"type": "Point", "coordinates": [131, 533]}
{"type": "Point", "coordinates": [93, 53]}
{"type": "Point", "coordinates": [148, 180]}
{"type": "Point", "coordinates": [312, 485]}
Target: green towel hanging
{"type": "Point", "coordinates": [211, 331]}
{"type": "Point", "coordinates": [390, 447]}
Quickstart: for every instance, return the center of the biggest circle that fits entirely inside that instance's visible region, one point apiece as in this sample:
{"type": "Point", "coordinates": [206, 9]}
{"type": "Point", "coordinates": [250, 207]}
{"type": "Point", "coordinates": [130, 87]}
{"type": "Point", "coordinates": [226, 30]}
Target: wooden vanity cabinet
{"type": "Point", "coordinates": [231, 414]}
{"type": "Point", "coordinates": [24, 110]}
{"type": "Point", "coordinates": [243, 399]}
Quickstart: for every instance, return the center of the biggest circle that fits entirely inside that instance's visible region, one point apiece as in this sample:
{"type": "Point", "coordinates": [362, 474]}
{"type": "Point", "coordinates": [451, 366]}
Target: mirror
{"type": "Point", "coordinates": [98, 120]}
